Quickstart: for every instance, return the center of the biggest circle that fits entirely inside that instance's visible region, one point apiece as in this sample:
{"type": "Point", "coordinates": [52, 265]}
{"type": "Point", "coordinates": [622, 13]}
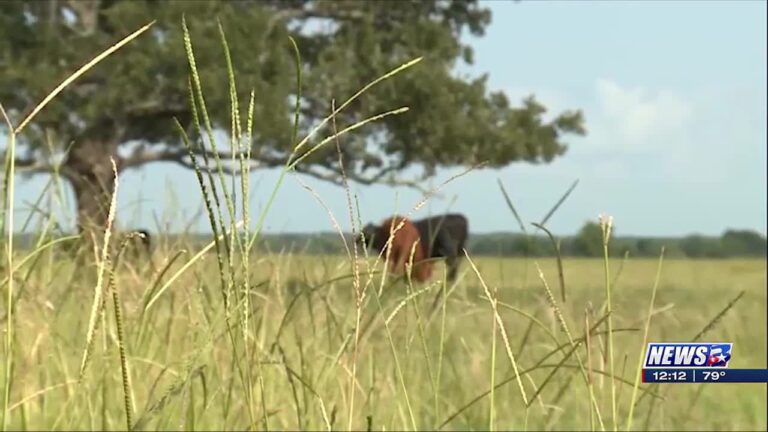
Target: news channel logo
{"type": "Point", "coordinates": [687, 355]}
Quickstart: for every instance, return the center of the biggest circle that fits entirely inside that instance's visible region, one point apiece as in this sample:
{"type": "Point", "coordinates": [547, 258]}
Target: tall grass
{"type": "Point", "coordinates": [9, 208]}
{"type": "Point", "coordinates": [606, 225]}
{"type": "Point", "coordinates": [229, 336]}
{"type": "Point", "coordinates": [8, 203]}
{"type": "Point", "coordinates": [639, 372]}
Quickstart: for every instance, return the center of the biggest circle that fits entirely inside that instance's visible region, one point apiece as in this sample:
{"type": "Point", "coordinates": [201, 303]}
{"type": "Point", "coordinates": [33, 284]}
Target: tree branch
{"type": "Point", "coordinates": [335, 177]}
{"type": "Point", "coordinates": [181, 157]}
{"type": "Point", "coordinates": [140, 156]}
{"type": "Point", "coordinates": [233, 171]}
{"type": "Point", "coordinates": [33, 166]}
{"type": "Point", "coordinates": [333, 174]}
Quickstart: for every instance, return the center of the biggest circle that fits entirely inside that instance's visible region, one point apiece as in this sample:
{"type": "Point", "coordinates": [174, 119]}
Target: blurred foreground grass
{"type": "Point", "coordinates": [183, 375]}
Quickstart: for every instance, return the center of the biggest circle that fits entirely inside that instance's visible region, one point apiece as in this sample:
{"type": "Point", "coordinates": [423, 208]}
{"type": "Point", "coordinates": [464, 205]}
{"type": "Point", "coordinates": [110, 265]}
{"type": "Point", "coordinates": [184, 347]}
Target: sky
{"type": "Point", "coordinates": [674, 99]}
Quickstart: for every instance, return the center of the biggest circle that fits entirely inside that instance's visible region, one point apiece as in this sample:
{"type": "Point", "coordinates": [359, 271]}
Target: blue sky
{"type": "Point", "coordinates": [674, 96]}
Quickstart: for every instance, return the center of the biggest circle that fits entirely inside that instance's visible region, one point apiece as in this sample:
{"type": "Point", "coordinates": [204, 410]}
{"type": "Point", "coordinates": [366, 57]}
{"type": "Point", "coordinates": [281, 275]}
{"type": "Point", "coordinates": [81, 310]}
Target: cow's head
{"type": "Point", "coordinates": [367, 234]}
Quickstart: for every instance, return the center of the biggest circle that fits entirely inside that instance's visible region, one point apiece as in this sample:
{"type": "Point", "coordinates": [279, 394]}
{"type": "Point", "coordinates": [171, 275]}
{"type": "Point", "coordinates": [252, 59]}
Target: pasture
{"type": "Point", "coordinates": [413, 367]}
{"type": "Point", "coordinates": [232, 337]}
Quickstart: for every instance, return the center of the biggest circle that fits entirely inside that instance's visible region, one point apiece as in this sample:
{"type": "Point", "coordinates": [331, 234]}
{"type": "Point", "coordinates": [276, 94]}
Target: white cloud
{"type": "Point", "coordinates": [637, 131]}
{"type": "Point", "coordinates": [621, 118]}
{"type": "Point", "coordinates": [638, 118]}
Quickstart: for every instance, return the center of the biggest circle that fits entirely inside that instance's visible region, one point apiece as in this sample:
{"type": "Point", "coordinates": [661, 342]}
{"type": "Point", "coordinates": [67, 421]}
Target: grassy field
{"type": "Point", "coordinates": [235, 340]}
{"type": "Point", "coordinates": [417, 370]}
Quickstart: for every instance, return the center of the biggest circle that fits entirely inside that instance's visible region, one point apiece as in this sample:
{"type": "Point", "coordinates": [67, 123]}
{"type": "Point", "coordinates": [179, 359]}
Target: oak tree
{"type": "Point", "coordinates": [125, 107]}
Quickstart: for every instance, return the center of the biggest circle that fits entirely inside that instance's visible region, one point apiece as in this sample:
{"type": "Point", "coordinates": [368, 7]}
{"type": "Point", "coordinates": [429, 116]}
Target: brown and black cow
{"type": "Point", "coordinates": [406, 238]}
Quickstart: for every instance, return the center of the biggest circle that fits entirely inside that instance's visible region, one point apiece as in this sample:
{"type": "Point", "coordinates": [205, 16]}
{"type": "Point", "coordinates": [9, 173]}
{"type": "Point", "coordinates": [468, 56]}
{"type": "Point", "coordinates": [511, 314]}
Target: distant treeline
{"type": "Point", "coordinates": [586, 243]}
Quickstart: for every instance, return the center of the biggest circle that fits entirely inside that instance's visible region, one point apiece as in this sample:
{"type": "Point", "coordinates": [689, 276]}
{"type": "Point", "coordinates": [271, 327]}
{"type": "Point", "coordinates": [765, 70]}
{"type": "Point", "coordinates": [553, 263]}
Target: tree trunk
{"type": "Point", "coordinates": [90, 172]}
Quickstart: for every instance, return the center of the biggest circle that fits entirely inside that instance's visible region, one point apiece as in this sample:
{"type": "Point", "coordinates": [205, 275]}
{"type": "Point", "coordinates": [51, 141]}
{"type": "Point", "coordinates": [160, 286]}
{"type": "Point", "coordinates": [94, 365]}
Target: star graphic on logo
{"type": "Point", "coordinates": [715, 359]}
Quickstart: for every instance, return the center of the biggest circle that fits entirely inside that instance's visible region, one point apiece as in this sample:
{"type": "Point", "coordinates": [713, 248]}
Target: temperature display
{"type": "Point", "coordinates": [712, 375]}
{"type": "Point", "coordinates": [705, 375]}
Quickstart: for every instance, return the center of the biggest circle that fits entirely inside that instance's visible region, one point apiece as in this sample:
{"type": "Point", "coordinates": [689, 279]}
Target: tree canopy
{"type": "Point", "coordinates": [133, 96]}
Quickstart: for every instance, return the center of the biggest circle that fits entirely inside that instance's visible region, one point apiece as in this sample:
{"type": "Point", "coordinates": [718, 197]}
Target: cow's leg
{"type": "Point", "coordinates": [454, 261]}
{"type": "Point", "coordinates": [446, 247]}
{"type": "Point", "coordinates": [453, 267]}
{"type": "Point", "coordinates": [397, 260]}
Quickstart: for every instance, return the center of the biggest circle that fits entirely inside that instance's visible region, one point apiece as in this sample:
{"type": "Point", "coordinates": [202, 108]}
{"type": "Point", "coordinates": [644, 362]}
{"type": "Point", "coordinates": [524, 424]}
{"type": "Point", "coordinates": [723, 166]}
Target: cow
{"type": "Point", "coordinates": [445, 236]}
{"type": "Point", "coordinates": [401, 245]}
{"type": "Point", "coordinates": [442, 236]}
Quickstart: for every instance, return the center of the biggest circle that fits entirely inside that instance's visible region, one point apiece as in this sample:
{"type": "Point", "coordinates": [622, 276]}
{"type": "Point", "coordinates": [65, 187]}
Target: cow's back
{"type": "Point", "coordinates": [444, 232]}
